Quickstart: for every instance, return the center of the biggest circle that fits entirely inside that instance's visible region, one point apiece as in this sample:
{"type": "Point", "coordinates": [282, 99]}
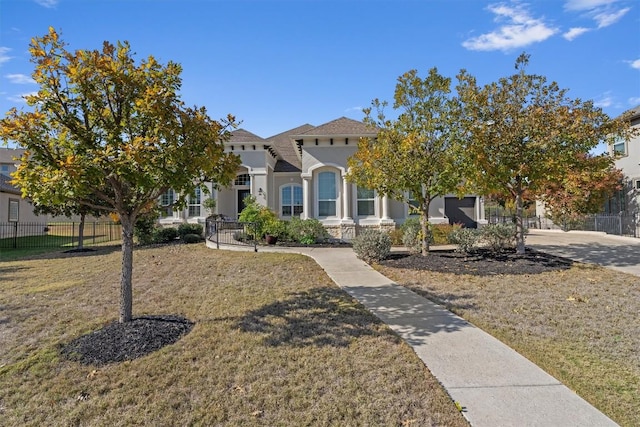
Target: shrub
{"type": "Point", "coordinates": [192, 238]}
{"type": "Point", "coordinates": [441, 233]}
{"type": "Point", "coordinates": [144, 228]}
{"type": "Point", "coordinates": [412, 235]}
{"type": "Point", "coordinates": [186, 228]}
{"type": "Point", "coordinates": [466, 239]}
{"type": "Point", "coordinates": [276, 228]}
{"type": "Point", "coordinates": [307, 231]}
{"type": "Point", "coordinates": [498, 237]}
{"type": "Point", "coordinates": [164, 235]}
{"type": "Point", "coordinates": [396, 237]}
{"type": "Point", "coordinates": [372, 245]}
{"type": "Point", "coordinates": [257, 214]}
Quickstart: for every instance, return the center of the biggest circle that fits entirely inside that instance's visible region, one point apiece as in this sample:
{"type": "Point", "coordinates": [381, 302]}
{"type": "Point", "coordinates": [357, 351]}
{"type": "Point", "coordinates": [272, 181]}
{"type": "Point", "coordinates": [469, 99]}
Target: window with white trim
{"type": "Point", "coordinates": [166, 202]}
{"type": "Point", "coordinates": [195, 201]}
{"type": "Point", "coordinates": [291, 200]}
{"type": "Point", "coordinates": [14, 210]}
{"type": "Point", "coordinates": [327, 194]}
{"type": "Point", "coordinates": [620, 148]}
{"type": "Point", "coordinates": [366, 205]}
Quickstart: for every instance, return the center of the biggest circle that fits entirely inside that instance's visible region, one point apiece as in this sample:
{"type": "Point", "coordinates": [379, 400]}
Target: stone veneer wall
{"type": "Point", "coordinates": [348, 232]}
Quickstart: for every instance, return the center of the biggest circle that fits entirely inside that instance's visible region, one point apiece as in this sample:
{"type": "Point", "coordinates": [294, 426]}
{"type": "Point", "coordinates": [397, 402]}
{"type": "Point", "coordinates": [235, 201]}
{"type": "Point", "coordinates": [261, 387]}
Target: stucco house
{"type": "Point", "coordinates": [627, 158]}
{"type": "Point", "coordinates": [301, 172]}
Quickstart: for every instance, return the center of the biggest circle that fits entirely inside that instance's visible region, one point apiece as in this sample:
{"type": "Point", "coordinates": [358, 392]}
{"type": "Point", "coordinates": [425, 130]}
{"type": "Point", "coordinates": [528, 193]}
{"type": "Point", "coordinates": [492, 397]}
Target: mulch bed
{"type": "Point", "coordinates": [117, 342]}
{"type": "Point", "coordinates": [479, 263]}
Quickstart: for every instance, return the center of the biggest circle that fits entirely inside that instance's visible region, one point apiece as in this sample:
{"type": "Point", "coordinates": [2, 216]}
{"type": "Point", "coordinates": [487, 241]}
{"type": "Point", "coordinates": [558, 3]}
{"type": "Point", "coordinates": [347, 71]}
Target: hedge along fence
{"type": "Point", "coordinates": [15, 235]}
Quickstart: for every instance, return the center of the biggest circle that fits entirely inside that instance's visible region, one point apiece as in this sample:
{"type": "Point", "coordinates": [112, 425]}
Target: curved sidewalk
{"type": "Point", "coordinates": [495, 385]}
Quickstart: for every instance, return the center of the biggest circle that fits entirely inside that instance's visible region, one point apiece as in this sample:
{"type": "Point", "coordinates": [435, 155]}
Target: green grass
{"type": "Point", "coordinates": [275, 342]}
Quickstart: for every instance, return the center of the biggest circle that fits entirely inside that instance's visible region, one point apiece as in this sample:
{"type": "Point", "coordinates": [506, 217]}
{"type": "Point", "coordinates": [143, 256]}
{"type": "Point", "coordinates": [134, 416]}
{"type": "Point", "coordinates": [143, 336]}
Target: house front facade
{"type": "Point", "coordinates": [302, 173]}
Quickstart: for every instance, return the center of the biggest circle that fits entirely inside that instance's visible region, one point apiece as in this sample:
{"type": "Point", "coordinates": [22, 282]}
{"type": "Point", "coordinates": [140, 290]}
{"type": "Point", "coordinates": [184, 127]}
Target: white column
{"type": "Point", "coordinates": [306, 202]}
{"type": "Point", "coordinates": [385, 207]}
{"type": "Point", "coordinates": [346, 205]}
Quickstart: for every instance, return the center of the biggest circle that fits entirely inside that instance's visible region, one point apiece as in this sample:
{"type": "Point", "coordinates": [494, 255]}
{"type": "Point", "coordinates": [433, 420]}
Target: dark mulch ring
{"type": "Point", "coordinates": [480, 263]}
{"type": "Point", "coordinates": [117, 342]}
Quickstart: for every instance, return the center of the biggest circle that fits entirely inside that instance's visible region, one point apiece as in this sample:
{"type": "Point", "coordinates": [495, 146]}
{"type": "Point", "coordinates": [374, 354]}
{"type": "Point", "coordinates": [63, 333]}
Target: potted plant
{"type": "Point", "coordinates": [273, 229]}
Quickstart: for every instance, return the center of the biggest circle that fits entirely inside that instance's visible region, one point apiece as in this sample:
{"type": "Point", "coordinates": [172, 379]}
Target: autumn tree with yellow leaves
{"type": "Point", "coordinates": [525, 137]}
{"type": "Point", "coordinates": [103, 126]}
{"type": "Point", "coordinates": [413, 157]}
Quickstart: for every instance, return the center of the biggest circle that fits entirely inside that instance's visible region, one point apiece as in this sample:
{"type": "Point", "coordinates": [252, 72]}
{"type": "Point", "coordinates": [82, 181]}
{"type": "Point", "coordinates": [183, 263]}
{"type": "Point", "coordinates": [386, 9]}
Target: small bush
{"type": "Point", "coordinates": [396, 237]}
{"type": "Point", "coordinates": [144, 228]}
{"type": "Point", "coordinates": [466, 239]}
{"type": "Point", "coordinates": [164, 235]}
{"type": "Point", "coordinates": [192, 238]}
{"type": "Point", "coordinates": [186, 228]}
{"type": "Point", "coordinates": [372, 245]}
{"type": "Point", "coordinates": [441, 233]}
{"type": "Point", "coordinates": [306, 231]}
{"type": "Point", "coordinates": [498, 237]}
{"type": "Point", "coordinates": [412, 235]}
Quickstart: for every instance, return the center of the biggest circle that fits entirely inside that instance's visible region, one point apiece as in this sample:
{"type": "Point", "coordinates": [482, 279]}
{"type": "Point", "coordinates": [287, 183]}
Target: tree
{"type": "Point", "coordinates": [523, 134]}
{"type": "Point", "coordinates": [583, 190]}
{"type": "Point", "coordinates": [413, 157]}
{"type": "Point", "coordinates": [103, 126]}
{"type": "Point", "coordinates": [68, 209]}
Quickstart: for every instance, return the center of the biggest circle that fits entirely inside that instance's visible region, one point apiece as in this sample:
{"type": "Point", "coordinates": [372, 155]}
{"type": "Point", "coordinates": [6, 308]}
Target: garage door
{"type": "Point", "coordinates": [461, 211]}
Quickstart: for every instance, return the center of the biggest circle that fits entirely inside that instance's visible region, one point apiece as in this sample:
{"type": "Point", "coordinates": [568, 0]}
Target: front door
{"type": "Point", "coordinates": [241, 195]}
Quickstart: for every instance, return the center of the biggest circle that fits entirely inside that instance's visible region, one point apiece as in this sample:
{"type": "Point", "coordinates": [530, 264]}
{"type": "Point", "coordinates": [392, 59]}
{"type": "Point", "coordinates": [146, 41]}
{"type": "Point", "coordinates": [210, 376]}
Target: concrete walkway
{"type": "Point", "coordinates": [495, 385]}
{"type": "Point", "coordinates": [615, 252]}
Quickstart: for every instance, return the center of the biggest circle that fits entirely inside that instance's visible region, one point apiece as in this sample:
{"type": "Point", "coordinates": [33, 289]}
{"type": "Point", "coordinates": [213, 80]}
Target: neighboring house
{"type": "Point", "coordinates": [14, 208]}
{"type": "Point", "coordinates": [301, 172]}
{"type": "Point", "coordinates": [627, 158]}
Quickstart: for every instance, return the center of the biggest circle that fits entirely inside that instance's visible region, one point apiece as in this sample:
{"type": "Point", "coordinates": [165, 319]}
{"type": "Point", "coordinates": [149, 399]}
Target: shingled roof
{"type": "Point", "coordinates": [240, 136]}
{"type": "Point", "coordinates": [289, 161]}
{"type": "Point", "coordinates": [6, 187]}
{"type": "Point", "coordinates": [341, 127]}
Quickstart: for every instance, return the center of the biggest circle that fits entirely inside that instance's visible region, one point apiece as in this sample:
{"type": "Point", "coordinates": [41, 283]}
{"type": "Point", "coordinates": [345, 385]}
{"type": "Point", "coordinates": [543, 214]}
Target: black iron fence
{"type": "Point", "coordinates": [620, 225]}
{"type": "Point", "coordinates": [231, 232]}
{"type": "Point", "coordinates": [14, 235]}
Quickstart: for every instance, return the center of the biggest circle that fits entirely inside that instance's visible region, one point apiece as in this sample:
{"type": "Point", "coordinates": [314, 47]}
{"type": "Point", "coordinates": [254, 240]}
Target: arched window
{"type": "Point", "coordinates": [327, 194]}
{"type": "Point", "coordinates": [291, 200]}
{"type": "Point", "coordinates": [244, 179]}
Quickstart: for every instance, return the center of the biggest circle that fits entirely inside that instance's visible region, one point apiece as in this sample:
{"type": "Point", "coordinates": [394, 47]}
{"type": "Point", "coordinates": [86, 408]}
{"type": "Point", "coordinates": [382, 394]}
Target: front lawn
{"type": "Point", "coordinates": [578, 322]}
{"type": "Point", "coordinates": [274, 342]}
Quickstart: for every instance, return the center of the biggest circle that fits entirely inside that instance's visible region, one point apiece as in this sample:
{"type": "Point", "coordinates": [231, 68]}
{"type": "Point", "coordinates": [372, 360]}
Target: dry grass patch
{"type": "Point", "coordinates": [580, 324]}
{"type": "Point", "coordinates": [274, 343]}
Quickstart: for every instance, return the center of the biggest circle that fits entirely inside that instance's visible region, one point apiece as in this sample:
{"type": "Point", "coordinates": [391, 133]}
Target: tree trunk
{"type": "Point", "coordinates": [126, 290]}
{"type": "Point", "coordinates": [519, 225]}
{"type": "Point", "coordinates": [424, 227]}
{"type": "Point", "coordinates": [81, 232]}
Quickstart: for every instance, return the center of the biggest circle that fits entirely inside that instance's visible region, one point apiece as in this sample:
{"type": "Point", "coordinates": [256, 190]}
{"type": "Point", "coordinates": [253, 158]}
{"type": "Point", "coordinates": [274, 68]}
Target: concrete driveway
{"type": "Point", "coordinates": [615, 252]}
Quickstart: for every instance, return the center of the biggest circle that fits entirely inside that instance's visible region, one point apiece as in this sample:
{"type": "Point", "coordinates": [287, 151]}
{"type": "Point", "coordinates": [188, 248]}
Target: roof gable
{"type": "Point", "coordinates": [341, 127]}
{"type": "Point", "coordinates": [240, 136]}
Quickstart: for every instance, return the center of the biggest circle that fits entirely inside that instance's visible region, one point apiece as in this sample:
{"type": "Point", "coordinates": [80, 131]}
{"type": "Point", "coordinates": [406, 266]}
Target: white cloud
{"type": "Point", "coordinates": [49, 4]}
{"type": "Point", "coordinates": [4, 57]}
{"type": "Point", "coordinates": [20, 79]}
{"type": "Point", "coordinates": [635, 64]}
{"type": "Point", "coordinates": [605, 19]}
{"type": "Point", "coordinates": [586, 4]}
{"type": "Point", "coordinates": [575, 32]}
{"type": "Point", "coordinates": [348, 110]}
{"type": "Point", "coordinates": [520, 29]}
{"type": "Point", "coordinates": [21, 97]}
{"type": "Point", "coordinates": [605, 101]}
{"type": "Point", "coordinates": [634, 101]}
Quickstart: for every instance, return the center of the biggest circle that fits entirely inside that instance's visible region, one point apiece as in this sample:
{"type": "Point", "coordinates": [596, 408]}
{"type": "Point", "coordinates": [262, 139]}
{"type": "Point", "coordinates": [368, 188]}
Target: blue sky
{"type": "Point", "coordinates": [278, 64]}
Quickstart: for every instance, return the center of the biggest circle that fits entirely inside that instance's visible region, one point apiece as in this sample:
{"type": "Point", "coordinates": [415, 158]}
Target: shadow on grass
{"type": "Point", "coordinates": [318, 317]}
